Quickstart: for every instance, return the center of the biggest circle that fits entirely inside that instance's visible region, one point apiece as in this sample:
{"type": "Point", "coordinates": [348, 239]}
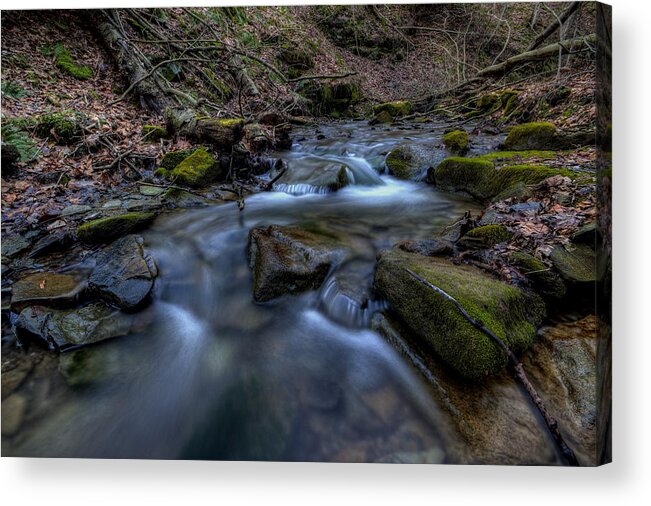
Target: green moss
{"type": "Point", "coordinates": [154, 133]}
{"type": "Point", "coordinates": [502, 156]}
{"type": "Point", "coordinates": [463, 174]}
{"type": "Point", "coordinates": [484, 237]}
{"type": "Point", "coordinates": [198, 169]}
{"type": "Point", "coordinates": [62, 127]}
{"type": "Point", "coordinates": [517, 191]}
{"type": "Point", "coordinates": [544, 281]}
{"type": "Point", "coordinates": [12, 135]}
{"type": "Point", "coordinates": [64, 61]}
{"type": "Point", "coordinates": [576, 263]}
{"type": "Point", "coordinates": [108, 229]}
{"type": "Point", "coordinates": [383, 117]}
{"type": "Point", "coordinates": [531, 136]}
{"type": "Point", "coordinates": [510, 313]}
{"type": "Point", "coordinates": [398, 163]}
{"type": "Point", "coordinates": [230, 122]}
{"type": "Point", "coordinates": [13, 90]}
{"type": "Point", "coordinates": [395, 109]}
{"type": "Point", "coordinates": [456, 141]}
{"type": "Point", "coordinates": [482, 180]}
{"type": "Point", "coordinates": [172, 158]}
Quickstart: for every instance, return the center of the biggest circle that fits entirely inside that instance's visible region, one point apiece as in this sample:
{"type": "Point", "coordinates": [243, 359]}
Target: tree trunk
{"type": "Point", "coordinates": [565, 46]}
{"type": "Point", "coordinates": [554, 26]}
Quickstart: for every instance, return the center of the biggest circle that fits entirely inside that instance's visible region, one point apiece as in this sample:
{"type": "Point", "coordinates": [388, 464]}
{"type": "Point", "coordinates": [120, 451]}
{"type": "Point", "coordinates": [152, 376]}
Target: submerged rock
{"type": "Point", "coordinates": [110, 228]}
{"type": "Point", "coordinates": [13, 413]}
{"type": "Point", "coordinates": [410, 161]}
{"type": "Point", "coordinates": [63, 329]}
{"type": "Point", "coordinates": [47, 288]}
{"type": "Point", "coordinates": [509, 312]}
{"type": "Point", "coordinates": [289, 260]}
{"type": "Point", "coordinates": [124, 274]}
{"type": "Point", "coordinates": [88, 366]}
{"type": "Point", "coordinates": [308, 178]}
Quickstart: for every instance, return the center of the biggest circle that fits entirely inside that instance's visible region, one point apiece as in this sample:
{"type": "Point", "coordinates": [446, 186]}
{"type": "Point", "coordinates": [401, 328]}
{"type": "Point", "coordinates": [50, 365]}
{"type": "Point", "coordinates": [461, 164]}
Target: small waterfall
{"type": "Point", "coordinates": [301, 189]}
{"type": "Point", "coordinates": [346, 309]}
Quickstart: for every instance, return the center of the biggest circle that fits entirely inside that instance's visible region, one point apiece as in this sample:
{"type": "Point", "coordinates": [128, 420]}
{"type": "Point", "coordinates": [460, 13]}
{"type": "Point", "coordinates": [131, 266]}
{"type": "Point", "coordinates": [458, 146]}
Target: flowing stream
{"type": "Point", "coordinates": [213, 375]}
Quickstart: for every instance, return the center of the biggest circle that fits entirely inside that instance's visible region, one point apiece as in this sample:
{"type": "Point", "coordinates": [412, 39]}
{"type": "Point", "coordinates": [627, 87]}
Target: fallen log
{"type": "Point", "coordinates": [568, 46]}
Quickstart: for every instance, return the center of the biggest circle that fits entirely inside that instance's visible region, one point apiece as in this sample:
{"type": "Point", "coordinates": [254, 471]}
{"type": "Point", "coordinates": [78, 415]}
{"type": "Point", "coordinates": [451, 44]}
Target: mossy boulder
{"type": "Point", "coordinates": [153, 133]}
{"type": "Point", "coordinates": [392, 110]}
{"type": "Point", "coordinates": [409, 161]}
{"type": "Point", "coordinates": [456, 141]}
{"type": "Point", "coordinates": [198, 169]}
{"type": "Point", "coordinates": [539, 135]}
{"type": "Point", "coordinates": [62, 127]}
{"type": "Point", "coordinates": [172, 158]}
{"type": "Point", "coordinates": [517, 191]}
{"type": "Point", "coordinates": [575, 262]}
{"type": "Point", "coordinates": [482, 180]}
{"type": "Point", "coordinates": [104, 230]}
{"type": "Point", "coordinates": [289, 260]}
{"type": "Point", "coordinates": [484, 237]}
{"type": "Point", "coordinates": [64, 61]}
{"type": "Point", "coordinates": [542, 278]}
{"type": "Point", "coordinates": [331, 98]}
{"type": "Point", "coordinates": [512, 314]}
{"type": "Point", "coordinates": [463, 174]}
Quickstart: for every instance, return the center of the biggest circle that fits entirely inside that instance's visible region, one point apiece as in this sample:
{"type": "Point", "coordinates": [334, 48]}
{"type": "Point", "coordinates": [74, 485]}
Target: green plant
{"type": "Point", "coordinates": [64, 61]}
{"type": "Point", "coordinates": [13, 90]}
{"type": "Point", "coordinates": [13, 135]}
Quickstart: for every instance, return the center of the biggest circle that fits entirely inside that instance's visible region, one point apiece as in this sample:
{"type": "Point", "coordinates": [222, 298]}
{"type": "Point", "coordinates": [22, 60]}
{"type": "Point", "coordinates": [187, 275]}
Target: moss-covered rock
{"type": "Point", "coordinates": [198, 169]}
{"type": "Point", "coordinates": [463, 174]}
{"type": "Point", "coordinates": [509, 312]}
{"type": "Point", "coordinates": [517, 191]}
{"type": "Point", "coordinates": [61, 127]}
{"type": "Point", "coordinates": [545, 281]}
{"type": "Point", "coordinates": [63, 60]}
{"type": "Point", "coordinates": [511, 157]}
{"type": "Point", "coordinates": [484, 237]}
{"type": "Point", "coordinates": [392, 110]}
{"type": "Point", "coordinates": [482, 180]}
{"type": "Point", "coordinates": [531, 136]}
{"type": "Point", "coordinates": [331, 98]}
{"type": "Point", "coordinates": [104, 230]}
{"type": "Point", "coordinates": [456, 141]}
{"type": "Point", "coordinates": [409, 161]}
{"type": "Point", "coordinates": [576, 263]}
{"type": "Point", "coordinates": [153, 133]}
{"type": "Point", "coordinates": [172, 158]}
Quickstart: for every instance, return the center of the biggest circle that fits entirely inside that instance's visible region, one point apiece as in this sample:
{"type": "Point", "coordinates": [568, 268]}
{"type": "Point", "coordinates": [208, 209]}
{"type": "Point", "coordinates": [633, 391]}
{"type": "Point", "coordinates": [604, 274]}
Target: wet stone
{"type": "Point", "coordinates": [65, 329]}
{"type": "Point", "coordinates": [47, 288]}
{"type": "Point", "coordinates": [13, 412]}
{"type": "Point", "coordinates": [75, 209]}
{"type": "Point", "coordinates": [124, 274]}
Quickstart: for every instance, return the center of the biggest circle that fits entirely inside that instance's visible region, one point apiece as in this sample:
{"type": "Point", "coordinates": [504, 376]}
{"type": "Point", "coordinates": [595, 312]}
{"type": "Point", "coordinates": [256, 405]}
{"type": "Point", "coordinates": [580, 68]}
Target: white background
{"type": "Point", "coordinates": [626, 481]}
